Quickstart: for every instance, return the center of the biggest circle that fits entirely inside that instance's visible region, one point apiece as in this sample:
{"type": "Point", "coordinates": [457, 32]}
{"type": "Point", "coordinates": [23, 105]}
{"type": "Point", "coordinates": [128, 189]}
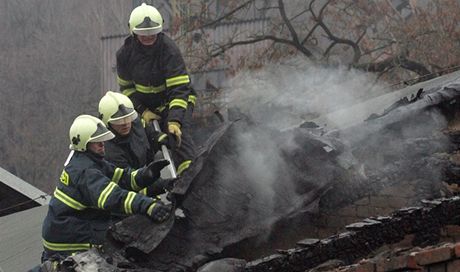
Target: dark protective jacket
{"type": "Point", "coordinates": [155, 77]}
{"type": "Point", "coordinates": [133, 150]}
{"type": "Point", "coordinates": [90, 188]}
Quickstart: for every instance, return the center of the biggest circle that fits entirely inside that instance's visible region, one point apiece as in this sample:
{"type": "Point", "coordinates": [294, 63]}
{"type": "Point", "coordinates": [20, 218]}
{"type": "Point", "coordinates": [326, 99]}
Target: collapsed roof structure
{"type": "Point", "coordinates": [252, 183]}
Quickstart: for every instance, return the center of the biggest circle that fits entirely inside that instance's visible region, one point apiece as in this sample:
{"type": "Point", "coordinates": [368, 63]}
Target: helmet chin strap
{"type": "Point", "coordinates": [69, 157]}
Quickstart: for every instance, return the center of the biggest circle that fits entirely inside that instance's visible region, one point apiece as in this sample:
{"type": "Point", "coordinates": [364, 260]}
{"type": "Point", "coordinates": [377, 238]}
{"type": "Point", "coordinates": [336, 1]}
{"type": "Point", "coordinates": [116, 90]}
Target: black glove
{"type": "Point", "coordinates": [173, 144]}
{"type": "Point", "coordinates": [167, 139]}
{"type": "Point", "coordinates": [165, 184]}
{"type": "Point", "coordinates": [148, 174]}
{"type": "Point", "coordinates": [160, 139]}
{"type": "Point", "coordinates": [159, 211]}
{"type": "Point", "coordinates": [160, 186]}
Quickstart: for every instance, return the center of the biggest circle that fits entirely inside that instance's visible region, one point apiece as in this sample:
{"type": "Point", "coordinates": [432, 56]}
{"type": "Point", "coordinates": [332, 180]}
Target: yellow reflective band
{"type": "Point", "coordinates": [134, 185]}
{"type": "Point", "coordinates": [184, 165]}
{"type": "Point", "coordinates": [173, 81]}
{"type": "Point", "coordinates": [160, 108]}
{"type": "Point", "coordinates": [150, 209]}
{"type": "Point", "coordinates": [117, 175]}
{"type": "Point", "coordinates": [129, 202]}
{"type": "Point", "coordinates": [105, 194]}
{"type": "Point", "coordinates": [64, 178]}
{"type": "Point", "coordinates": [143, 191]}
{"type": "Point", "coordinates": [192, 99]}
{"type": "Point", "coordinates": [66, 247]}
{"type": "Point", "coordinates": [162, 137]}
{"type": "Point", "coordinates": [178, 103]}
{"type": "Point", "coordinates": [72, 203]}
{"type": "Point", "coordinates": [123, 82]}
{"type": "Point", "coordinates": [129, 91]}
{"type": "Point", "coordinates": [150, 89]}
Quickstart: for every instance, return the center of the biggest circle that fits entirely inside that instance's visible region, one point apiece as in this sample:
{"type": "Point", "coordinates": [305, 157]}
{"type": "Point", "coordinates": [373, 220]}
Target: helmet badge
{"type": "Point", "coordinates": [76, 140]}
{"type": "Point", "coordinates": [147, 22]}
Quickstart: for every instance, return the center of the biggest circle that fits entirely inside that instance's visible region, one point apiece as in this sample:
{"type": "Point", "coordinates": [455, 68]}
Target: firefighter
{"type": "Point", "coordinates": [131, 146]}
{"type": "Point", "coordinates": [152, 73]}
{"type": "Point", "coordinates": [90, 188]}
{"type": "Point", "coordinates": [134, 144]}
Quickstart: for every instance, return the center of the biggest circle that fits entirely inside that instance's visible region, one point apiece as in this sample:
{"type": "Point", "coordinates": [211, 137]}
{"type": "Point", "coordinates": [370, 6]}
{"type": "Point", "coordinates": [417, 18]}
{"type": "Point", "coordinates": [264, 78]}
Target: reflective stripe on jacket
{"type": "Point", "coordinates": [90, 188]}
{"type": "Point", "coordinates": [155, 77]}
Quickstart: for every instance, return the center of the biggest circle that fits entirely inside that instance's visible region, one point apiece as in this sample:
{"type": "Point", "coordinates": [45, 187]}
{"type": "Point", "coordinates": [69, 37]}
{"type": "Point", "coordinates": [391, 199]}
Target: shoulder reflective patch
{"type": "Point", "coordinates": [64, 178]}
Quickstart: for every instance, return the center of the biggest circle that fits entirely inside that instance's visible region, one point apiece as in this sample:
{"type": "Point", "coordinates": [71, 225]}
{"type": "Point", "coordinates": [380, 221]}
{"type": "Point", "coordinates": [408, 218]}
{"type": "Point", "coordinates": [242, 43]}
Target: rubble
{"type": "Point", "coordinates": [231, 210]}
{"type": "Point", "coordinates": [363, 238]}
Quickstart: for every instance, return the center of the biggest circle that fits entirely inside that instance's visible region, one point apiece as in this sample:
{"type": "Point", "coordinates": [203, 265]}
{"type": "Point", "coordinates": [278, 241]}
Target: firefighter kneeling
{"type": "Point", "coordinates": [90, 189]}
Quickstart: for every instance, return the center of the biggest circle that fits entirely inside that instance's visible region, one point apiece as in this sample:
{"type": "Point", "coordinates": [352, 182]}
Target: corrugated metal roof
{"type": "Point", "coordinates": [20, 239]}
{"type": "Point", "coordinates": [23, 187]}
{"type": "Point", "coordinates": [342, 119]}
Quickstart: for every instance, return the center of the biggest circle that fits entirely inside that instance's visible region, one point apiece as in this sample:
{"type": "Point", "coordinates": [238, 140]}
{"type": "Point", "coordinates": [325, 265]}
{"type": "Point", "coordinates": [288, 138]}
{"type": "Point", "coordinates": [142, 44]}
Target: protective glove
{"type": "Point", "coordinates": [158, 211]}
{"type": "Point", "coordinates": [159, 187]}
{"type": "Point", "coordinates": [148, 174]}
{"type": "Point", "coordinates": [165, 184]}
{"type": "Point", "coordinates": [148, 116]}
{"type": "Point", "coordinates": [174, 129]}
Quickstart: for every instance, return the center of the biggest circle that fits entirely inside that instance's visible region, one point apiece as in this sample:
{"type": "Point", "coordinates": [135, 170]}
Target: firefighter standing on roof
{"type": "Point", "coordinates": [152, 73]}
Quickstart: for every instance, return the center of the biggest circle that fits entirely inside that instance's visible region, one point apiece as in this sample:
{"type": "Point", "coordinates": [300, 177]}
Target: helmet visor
{"type": "Point", "coordinates": [102, 138]}
{"type": "Point", "coordinates": [125, 119]}
{"type": "Point", "coordinates": [147, 31]}
{"type": "Point", "coordinates": [101, 134]}
{"type": "Point", "coordinates": [147, 27]}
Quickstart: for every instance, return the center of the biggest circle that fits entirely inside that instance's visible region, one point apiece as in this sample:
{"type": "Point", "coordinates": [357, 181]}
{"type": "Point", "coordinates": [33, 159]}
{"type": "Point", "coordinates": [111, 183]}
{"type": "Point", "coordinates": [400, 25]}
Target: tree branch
{"type": "Point", "coordinates": [282, 10]}
{"type": "Point", "coordinates": [225, 16]}
{"type": "Point", "coordinates": [320, 15]}
{"type": "Point", "coordinates": [335, 40]}
{"type": "Point", "coordinates": [228, 46]}
{"type": "Point", "coordinates": [295, 38]}
{"type": "Point", "coordinates": [397, 61]}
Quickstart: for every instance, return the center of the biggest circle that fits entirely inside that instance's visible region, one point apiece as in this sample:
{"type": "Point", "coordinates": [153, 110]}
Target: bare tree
{"type": "Point", "coordinates": [398, 39]}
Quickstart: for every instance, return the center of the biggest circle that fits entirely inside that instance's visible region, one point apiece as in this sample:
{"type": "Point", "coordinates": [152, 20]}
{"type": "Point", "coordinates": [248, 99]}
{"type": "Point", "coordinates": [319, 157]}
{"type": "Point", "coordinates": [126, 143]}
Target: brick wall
{"type": "Point", "coordinates": [382, 204]}
{"type": "Point", "coordinates": [442, 258]}
{"type": "Point", "coordinates": [438, 220]}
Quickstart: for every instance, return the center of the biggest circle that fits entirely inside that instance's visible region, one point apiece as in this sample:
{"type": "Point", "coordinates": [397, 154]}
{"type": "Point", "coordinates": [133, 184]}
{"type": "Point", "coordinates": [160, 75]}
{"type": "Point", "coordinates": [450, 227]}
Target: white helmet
{"type": "Point", "coordinates": [145, 20]}
{"type": "Point", "coordinates": [115, 107]}
{"type": "Point", "coordinates": [87, 129]}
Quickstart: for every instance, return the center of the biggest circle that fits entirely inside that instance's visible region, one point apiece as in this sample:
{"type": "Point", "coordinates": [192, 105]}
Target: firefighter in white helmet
{"type": "Point", "coordinates": [134, 144]}
{"type": "Point", "coordinates": [152, 73]}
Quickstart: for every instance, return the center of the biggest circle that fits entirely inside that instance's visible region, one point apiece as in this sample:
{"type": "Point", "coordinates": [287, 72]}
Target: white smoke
{"type": "Point", "coordinates": [281, 96]}
{"type": "Point", "coordinates": [287, 94]}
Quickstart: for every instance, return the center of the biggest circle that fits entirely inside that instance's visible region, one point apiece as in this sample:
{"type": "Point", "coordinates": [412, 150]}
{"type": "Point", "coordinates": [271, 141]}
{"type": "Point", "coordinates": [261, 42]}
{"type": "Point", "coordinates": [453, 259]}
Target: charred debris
{"type": "Point", "coordinates": [254, 188]}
